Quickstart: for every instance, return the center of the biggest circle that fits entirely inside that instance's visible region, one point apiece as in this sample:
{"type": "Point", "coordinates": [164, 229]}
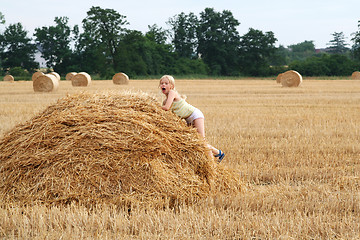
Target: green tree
{"type": "Point", "coordinates": [55, 44]}
{"type": "Point", "coordinates": [158, 54]}
{"type": "Point", "coordinates": [356, 46]}
{"type": "Point", "coordinates": [218, 41]}
{"type": "Point", "coordinates": [18, 71]}
{"type": "Point", "coordinates": [312, 66]}
{"type": "Point", "coordinates": [106, 27]}
{"type": "Point", "coordinates": [2, 21]}
{"type": "Point", "coordinates": [157, 34]}
{"type": "Point", "coordinates": [184, 34]}
{"type": "Point", "coordinates": [146, 55]}
{"type": "Point", "coordinates": [2, 18]}
{"type": "Point", "coordinates": [256, 50]}
{"type": "Point", "coordinates": [301, 51]}
{"type": "Point", "coordinates": [337, 44]}
{"type": "Point", "coordinates": [131, 54]}
{"type": "Point", "coordinates": [90, 55]}
{"type": "Point", "coordinates": [339, 64]}
{"type": "Point", "coordinates": [280, 57]}
{"type": "Point", "coordinates": [326, 65]}
{"type": "Point", "coordinates": [18, 51]}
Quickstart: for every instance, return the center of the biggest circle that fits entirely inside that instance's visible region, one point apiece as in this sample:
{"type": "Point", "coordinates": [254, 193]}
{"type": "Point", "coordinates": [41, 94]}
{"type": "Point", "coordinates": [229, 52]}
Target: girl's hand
{"type": "Point", "coordinates": [169, 100]}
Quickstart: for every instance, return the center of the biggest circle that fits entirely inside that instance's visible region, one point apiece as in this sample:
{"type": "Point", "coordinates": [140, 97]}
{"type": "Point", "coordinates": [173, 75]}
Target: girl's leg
{"type": "Point", "coordinates": [199, 124]}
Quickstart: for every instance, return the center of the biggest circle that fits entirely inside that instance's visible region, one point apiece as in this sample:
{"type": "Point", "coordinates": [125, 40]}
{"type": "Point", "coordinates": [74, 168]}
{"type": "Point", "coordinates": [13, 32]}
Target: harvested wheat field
{"type": "Point", "coordinates": [294, 152]}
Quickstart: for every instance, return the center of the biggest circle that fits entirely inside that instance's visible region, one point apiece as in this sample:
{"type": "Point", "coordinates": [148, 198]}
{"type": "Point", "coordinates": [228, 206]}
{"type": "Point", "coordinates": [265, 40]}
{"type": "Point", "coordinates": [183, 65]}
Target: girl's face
{"type": "Point", "coordinates": [165, 86]}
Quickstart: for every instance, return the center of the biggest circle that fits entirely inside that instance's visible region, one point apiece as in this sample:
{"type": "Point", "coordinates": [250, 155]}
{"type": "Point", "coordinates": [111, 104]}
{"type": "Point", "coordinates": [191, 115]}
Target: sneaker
{"type": "Point", "coordinates": [221, 155]}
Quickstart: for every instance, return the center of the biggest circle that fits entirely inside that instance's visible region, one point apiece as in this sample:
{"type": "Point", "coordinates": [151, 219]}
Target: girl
{"type": "Point", "coordinates": [181, 108]}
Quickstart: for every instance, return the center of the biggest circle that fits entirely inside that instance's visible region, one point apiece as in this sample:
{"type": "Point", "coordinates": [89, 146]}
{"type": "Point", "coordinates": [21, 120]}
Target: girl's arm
{"type": "Point", "coordinates": [169, 100]}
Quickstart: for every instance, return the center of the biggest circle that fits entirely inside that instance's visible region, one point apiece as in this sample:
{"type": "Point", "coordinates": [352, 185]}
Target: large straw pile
{"type": "Point", "coordinates": [9, 78]}
{"type": "Point", "coordinates": [120, 79]}
{"type": "Point", "coordinates": [108, 148]}
{"type": "Point", "coordinates": [355, 75]}
{"type": "Point", "coordinates": [36, 75]}
{"type": "Point", "coordinates": [45, 83]}
{"type": "Point", "coordinates": [289, 78]}
{"type": "Point", "coordinates": [81, 79]}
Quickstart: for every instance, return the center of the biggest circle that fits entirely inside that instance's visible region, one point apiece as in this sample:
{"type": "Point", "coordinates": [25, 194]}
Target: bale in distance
{"type": "Point", "coordinates": [70, 75]}
{"type": "Point", "coordinates": [116, 148]}
{"type": "Point", "coordinates": [8, 78]}
{"type": "Point", "coordinates": [36, 75]}
{"type": "Point", "coordinates": [278, 78]}
{"type": "Point", "coordinates": [120, 79]}
{"type": "Point", "coordinates": [56, 75]}
{"type": "Point", "coordinates": [290, 78]}
{"type": "Point", "coordinates": [355, 75]}
{"type": "Point", "coordinates": [45, 83]}
{"type": "Point", "coordinates": [81, 79]}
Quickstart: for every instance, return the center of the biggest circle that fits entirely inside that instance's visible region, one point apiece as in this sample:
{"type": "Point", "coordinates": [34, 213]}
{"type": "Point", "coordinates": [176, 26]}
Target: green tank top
{"type": "Point", "coordinates": [182, 108]}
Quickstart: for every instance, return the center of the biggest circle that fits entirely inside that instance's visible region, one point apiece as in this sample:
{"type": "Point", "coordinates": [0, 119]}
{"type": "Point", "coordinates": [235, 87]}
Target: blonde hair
{"type": "Point", "coordinates": [170, 78]}
{"type": "Point", "coordinates": [172, 82]}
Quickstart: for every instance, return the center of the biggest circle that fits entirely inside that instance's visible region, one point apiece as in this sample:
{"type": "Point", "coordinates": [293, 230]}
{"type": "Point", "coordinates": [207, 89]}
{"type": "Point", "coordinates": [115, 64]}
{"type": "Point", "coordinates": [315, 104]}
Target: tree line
{"type": "Point", "coordinates": [208, 44]}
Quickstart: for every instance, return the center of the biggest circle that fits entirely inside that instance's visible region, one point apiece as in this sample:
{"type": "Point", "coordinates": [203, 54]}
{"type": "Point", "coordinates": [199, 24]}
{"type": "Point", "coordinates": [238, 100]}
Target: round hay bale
{"type": "Point", "coordinates": [36, 75]}
{"type": "Point", "coordinates": [116, 148]}
{"type": "Point", "coordinates": [81, 79]}
{"type": "Point", "coordinates": [56, 75]}
{"type": "Point", "coordinates": [9, 78]}
{"type": "Point", "coordinates": [291, 78]}
{"type": "Point", "coordinates": [46, 83]}
{"type": "Point", "coordinates": [278, 78]}
{"type": "Point", "coordinates": [120, 79]}
{"type": "Point", "coordinates": [355, 75]}
{"type": "Point", "coordinates": [70, 75]}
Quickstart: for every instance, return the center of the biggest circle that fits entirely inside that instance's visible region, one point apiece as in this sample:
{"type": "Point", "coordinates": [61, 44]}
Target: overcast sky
{"type": "Point", "coordinates": [292, 22]}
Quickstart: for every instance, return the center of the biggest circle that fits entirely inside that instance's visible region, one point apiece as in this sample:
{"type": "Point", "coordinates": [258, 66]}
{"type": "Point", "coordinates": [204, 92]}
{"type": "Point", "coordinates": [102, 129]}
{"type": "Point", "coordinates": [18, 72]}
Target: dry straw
{"type": "Point", "coordinates": [278, 78]}
{"type": "Point", "coordinates": [70, 75]}
{"type": "Point", "coordinates": [120, 78]}
{"type": "Point", "coordinates": [45, 83]}
{"type": "Point", "coordinates": [118, 148]}
{"type": "Point", "coordinates": [290, 78]}
{"type": "Point", "coordinates": [56, 75]}
{"type": "Point", "coordinates": [355, 75]}
{"type": "Point", "coordinates": [81, 79]}
{"type": "Point", "coordinates": [36, 75]}
{"type": "Point", "coordinates": [9, 78]}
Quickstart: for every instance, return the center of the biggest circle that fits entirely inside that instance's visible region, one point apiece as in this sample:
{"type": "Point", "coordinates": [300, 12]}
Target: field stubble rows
{"type": "Point", "coordinates": [296, 150]}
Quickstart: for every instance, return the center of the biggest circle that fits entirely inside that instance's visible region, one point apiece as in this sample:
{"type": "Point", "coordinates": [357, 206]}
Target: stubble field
{"type": "Point", "coordinates": [297, 151]}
